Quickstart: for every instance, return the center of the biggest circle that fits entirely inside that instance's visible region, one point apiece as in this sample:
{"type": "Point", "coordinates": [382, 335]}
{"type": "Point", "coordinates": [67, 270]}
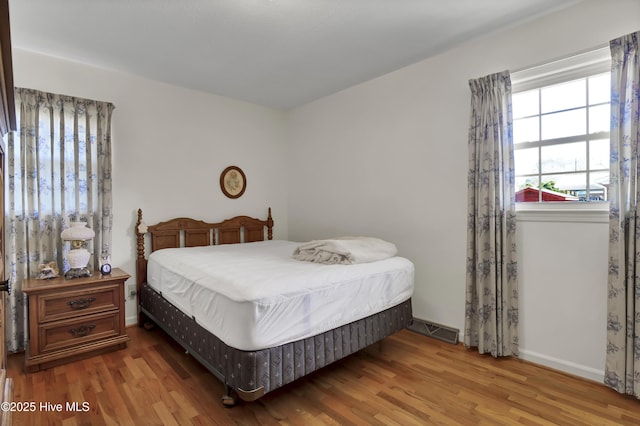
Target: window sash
{"type": "Point", "coordinates": [581, 66]}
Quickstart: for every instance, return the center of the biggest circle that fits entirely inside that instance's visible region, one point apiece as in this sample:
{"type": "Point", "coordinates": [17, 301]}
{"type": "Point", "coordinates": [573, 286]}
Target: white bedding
{"type": "Point", "coordinates": [254, 295]}
{"type": "Point", "coordinates": [345, 250]}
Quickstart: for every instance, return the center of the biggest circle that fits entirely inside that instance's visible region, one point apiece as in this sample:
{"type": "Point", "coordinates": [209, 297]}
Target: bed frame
{"type": "Point", "coordinates": [247, 374]}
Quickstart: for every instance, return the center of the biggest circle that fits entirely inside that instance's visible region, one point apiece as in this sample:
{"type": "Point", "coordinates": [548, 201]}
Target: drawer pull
{"type": "Point", "coordinates": [83, 330]}
{"type": "Point", "coordinates": [81, 303]}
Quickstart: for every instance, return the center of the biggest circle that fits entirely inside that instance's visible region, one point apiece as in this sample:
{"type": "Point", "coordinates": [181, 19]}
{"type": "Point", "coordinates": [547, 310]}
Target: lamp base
{"type": "Point", "coordinates": [78, 272]}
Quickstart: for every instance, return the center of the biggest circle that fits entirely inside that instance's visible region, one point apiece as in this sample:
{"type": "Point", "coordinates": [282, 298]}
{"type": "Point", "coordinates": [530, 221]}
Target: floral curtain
{"type": "Point", "coordinates": [58, 171]}
{"type": "Point", "coordinates": [622, 369]}
{"type": "Point", "coordinates": [491, 309]}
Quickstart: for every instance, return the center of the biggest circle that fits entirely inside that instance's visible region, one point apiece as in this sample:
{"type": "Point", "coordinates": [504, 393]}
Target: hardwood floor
{"type": "Point", "coordinates": [409, 379]}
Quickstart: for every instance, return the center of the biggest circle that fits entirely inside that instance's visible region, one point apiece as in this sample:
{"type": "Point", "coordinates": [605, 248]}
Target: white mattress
{"type": "Point", "coordinates": [254, 295]}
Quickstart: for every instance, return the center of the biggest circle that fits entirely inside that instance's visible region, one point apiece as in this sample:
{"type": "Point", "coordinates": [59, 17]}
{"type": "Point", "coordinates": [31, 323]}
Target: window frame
{"type": "Point", "coordinates": [582, 65]}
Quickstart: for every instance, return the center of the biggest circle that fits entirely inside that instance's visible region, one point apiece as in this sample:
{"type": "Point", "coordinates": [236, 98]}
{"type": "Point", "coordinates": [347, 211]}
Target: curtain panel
{"type": "Point", "coordinates": [58, 171]}
{"type": "Point", "coordinates": [491, 304]}
{"type": "Point", "coordinates": [622, 369]}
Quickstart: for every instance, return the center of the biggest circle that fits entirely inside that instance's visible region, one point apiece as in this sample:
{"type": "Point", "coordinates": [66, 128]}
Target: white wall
{"type": "Point", "coordinates": [169, 147]}
{"type": "Point", "coordinates": [563, 291]}
{"type": "Point", "coordinates": [389, 158]}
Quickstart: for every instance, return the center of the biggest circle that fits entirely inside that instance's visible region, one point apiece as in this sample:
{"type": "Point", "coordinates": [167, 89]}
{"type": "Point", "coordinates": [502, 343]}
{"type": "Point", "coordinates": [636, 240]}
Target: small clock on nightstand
{"type": "Point", "coordinates": [105, 269]}
{"type": "Point", "coordinates": [105, 264]}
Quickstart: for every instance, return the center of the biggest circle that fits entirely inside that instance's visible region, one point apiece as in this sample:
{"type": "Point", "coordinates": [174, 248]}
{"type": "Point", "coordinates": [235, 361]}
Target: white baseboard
{"type": "Point", "coordinates": [558, 364]}
{"type": "Point", "coordinates": [563, 365]}
{"type": "Point", "coordinates": [133, 320]}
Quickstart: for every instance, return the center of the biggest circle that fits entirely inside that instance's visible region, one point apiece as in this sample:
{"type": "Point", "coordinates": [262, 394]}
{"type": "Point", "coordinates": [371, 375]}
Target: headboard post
{"type": "Point", "coordinates": [269, 226]}
{"type": "Point", "coordinates": [139, 236]}
{"type": "Point", "coordinates": [141, 261]}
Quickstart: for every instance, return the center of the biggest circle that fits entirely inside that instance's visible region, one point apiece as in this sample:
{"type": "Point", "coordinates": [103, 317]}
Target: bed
{"type": "Point", "coordinates": [258, 319]}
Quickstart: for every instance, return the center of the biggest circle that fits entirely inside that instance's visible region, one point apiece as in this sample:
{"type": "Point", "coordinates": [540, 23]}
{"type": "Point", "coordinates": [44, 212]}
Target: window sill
{"type": "Point", "coordinates": [596, 212]}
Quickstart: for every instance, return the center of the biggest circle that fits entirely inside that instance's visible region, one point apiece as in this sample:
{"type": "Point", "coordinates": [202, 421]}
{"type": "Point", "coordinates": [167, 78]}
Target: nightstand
{"type": "Point", "coordinates": [74, 318]}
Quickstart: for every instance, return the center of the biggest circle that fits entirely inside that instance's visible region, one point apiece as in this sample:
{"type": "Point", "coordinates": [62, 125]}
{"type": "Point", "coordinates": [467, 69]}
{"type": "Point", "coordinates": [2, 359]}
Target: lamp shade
{"type": "Point", "coordinates": [78, 231]}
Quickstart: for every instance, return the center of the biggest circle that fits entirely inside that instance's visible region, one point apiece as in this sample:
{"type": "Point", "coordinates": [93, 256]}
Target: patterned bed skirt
{"type": "Point", "coordinates": [253, 373]}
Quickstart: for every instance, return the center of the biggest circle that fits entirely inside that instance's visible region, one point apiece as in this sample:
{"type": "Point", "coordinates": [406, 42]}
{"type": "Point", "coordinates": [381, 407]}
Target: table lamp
{"type": "Point", "coordinates": [78, 257]}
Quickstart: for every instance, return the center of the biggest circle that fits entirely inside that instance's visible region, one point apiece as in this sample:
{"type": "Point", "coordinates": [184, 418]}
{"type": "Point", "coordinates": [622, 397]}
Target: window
{"type": "Point", "coordinates": [561, 130]}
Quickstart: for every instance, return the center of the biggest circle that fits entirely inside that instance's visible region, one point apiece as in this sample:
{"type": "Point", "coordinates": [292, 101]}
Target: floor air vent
{"type": "Point", "coordinates": [437, 331]}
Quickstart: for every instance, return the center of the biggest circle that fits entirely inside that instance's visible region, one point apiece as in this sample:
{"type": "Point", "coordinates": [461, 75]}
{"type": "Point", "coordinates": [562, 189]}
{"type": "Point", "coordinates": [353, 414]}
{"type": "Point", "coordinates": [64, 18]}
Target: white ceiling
{"type": "Point", "coordinates": [277, 53]}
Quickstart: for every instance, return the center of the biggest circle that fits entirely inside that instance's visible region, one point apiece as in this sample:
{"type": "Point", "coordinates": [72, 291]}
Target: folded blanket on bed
{"type": "Point", "coordinates": [345, 250]}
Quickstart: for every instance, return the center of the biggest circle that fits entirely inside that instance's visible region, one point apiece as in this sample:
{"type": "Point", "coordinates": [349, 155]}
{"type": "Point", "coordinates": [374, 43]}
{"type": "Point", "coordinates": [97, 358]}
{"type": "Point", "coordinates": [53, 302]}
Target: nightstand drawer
{"type": "Point", "coordinates": [63, 334]}
{"type": "Point", "coordinates": [70, 304]}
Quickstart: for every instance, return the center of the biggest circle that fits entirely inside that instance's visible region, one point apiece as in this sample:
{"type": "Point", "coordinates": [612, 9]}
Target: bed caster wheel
{"type": "Point", "coordinates": [229, 400]}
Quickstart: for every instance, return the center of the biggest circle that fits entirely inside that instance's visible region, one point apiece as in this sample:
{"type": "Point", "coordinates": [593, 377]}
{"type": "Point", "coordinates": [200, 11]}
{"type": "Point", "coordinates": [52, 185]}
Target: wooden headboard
{"type": "Point", "coordinates": [186, 232]}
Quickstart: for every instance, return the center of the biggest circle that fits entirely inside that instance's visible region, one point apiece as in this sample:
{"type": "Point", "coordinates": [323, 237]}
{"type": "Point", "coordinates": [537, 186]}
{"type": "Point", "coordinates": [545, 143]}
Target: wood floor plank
{"type": "Point", "coordinates": [407, 380]}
